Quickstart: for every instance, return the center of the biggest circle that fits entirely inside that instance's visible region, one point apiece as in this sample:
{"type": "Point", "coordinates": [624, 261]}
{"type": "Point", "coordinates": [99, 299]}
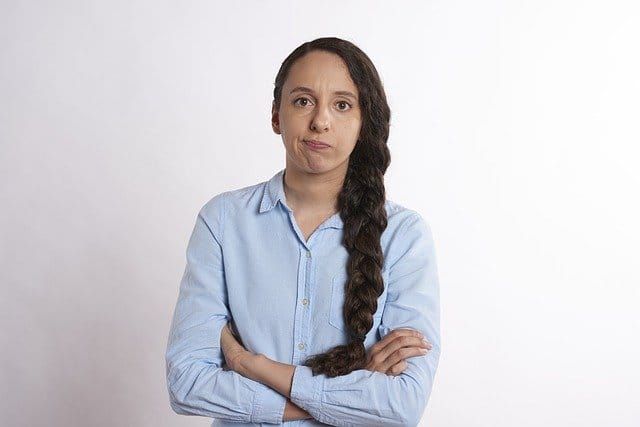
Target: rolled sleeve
{"type": "Point", "coordinates": [306, 388]}
{"type": "Point", "coordinates": [268, 406]}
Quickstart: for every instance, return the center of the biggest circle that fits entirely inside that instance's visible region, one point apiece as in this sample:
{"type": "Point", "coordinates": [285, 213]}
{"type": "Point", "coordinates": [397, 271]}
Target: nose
{"type": "Point", "coordinates": [320, 120]}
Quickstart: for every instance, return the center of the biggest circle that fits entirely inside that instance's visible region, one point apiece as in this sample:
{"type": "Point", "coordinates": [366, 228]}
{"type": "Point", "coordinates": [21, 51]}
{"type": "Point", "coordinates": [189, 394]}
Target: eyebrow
{"type": "Point", "coordinates": [338, 92]}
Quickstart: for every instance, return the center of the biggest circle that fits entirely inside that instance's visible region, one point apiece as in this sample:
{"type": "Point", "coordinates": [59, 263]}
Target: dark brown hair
{"type": "Point", "coordinates": [361, 203]}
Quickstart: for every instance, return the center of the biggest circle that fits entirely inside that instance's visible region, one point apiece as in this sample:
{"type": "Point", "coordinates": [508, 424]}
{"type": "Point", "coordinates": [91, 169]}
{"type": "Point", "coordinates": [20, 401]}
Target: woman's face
{"type": "Point", "coordinates": [319, 115]}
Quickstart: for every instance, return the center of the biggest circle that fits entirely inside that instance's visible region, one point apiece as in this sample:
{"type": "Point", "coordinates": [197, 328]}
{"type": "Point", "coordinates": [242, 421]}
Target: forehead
{"type": "Point", "coordinates": [320, 70]}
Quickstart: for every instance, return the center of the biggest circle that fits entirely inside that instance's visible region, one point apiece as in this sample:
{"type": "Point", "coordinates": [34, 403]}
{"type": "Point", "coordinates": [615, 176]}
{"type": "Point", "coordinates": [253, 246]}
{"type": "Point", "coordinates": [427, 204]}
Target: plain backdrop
{"type": "Point", "coordinates": [514, 133]}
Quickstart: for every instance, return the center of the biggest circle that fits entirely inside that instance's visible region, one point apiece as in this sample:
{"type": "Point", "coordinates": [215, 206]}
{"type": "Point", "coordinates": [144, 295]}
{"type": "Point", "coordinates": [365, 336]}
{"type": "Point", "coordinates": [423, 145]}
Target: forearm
{"type": "Point", "coordinates": [365, 398]}
{"type": "Point", "coordinates": [360, 398]}
{"type": "Point", "coordinates": [199, 388]}
{"type": "Point", "coordinates": [276, 375]}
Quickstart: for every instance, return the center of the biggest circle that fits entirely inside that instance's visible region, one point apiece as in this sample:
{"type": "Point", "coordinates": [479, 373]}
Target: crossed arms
{"type": "Point", "coordinates": [198, 384]}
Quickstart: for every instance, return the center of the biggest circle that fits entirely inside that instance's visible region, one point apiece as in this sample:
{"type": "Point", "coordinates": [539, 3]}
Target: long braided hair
{"type": "Point", "coordinates": [361, 203]}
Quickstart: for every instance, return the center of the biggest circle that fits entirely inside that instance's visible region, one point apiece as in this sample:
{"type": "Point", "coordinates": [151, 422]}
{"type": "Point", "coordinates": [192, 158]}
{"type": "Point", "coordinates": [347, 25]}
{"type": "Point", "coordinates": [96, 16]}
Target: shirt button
{"type": "Point", "coordinates": [301, 346]}
{"type": "Point", "coordinates": [308, 254]}
{"type": "Point", "coordinates": [305, 301]}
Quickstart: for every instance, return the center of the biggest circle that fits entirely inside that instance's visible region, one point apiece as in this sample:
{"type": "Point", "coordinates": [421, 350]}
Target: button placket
{"type": "Point", "coordinates": [302, 310]}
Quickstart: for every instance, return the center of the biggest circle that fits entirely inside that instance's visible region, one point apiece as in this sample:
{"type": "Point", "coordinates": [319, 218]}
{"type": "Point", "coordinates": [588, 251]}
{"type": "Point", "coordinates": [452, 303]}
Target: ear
{"type": "Point", "coordinates": [275, 118]}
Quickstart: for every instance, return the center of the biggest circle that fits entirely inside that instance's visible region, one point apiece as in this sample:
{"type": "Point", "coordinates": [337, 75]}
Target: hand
{"type": "Point", "coordinates": [294, 412]}
{"type": "Point", "coordinates": [235, 355]}
{"type": "Point", "coordinates": [388, 355]}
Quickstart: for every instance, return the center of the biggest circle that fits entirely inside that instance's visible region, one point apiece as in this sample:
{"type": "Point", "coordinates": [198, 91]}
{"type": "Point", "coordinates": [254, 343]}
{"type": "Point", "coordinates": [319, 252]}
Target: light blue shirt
{"type": "Point", "coordinates": [248, 260]}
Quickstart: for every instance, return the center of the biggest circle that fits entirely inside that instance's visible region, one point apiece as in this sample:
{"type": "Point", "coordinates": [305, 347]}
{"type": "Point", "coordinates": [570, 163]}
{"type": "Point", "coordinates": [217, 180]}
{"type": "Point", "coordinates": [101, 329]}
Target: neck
{"type": "Point", "coordinates": [313, 192]}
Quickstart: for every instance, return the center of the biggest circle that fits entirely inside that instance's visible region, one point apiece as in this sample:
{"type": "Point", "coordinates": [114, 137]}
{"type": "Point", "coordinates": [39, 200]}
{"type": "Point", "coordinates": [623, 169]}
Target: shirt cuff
{"type": "Point", "coordinates": [268, 406]}
{"type": "Point", "coordinates": [306, 389]}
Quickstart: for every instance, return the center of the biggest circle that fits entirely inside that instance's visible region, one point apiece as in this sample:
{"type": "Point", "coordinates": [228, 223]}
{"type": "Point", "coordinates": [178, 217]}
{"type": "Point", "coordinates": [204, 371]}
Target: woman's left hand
{"type": "Point", "coordinates": [236, 356]}
{"type": "Point", "coordinates": [389, 354]}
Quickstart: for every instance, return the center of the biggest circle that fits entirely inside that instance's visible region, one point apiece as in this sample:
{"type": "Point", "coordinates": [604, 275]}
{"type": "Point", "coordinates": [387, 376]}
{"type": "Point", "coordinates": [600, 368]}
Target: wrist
{"type": "Point", "coordinates": [271, 373]}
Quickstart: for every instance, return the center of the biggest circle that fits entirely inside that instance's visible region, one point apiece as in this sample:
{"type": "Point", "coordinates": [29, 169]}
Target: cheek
{"type": "Point", "coordinates": [346, 147]}
{"type": "Point", "coordinates": [350, 132]}
{"type": "Point", "coordinates": [353, 126]}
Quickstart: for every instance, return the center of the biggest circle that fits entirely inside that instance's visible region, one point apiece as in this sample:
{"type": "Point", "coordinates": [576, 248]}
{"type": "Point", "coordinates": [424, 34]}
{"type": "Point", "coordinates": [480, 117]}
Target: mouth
{"type": "Point", "coordinates": [312, 143]}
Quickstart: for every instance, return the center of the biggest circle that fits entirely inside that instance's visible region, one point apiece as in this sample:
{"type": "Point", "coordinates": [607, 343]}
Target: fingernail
{"type": "Point", "coordinates": [424, 351]}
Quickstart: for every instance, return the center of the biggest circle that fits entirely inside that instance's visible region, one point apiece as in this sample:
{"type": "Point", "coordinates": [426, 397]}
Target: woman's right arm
{"type": "Point", "coordinates": [196, 381]}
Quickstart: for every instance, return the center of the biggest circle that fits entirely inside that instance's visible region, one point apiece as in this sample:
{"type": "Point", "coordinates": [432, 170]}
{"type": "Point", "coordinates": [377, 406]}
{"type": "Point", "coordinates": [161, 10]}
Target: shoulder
{"type": "Point", "coordinates": [216, 211]}
{"type": "Point", "coordinates": [234, 199]}
{"type": "Point", "coordinates": [401, 219]}
{"type": "Point", "coordinates": [407, 231]}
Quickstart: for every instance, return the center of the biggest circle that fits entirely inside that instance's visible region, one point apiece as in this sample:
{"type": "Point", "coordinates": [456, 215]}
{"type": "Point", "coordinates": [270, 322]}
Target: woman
{"type": "Point", "coordinates": [332, 290]}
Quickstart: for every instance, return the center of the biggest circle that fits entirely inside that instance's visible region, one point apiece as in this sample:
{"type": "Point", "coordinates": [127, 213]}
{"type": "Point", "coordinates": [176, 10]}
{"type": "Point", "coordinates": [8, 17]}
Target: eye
{"type": "Point", "coordinates": [303, 102]}
{"type": "Point", "coordinates": [343, 105]}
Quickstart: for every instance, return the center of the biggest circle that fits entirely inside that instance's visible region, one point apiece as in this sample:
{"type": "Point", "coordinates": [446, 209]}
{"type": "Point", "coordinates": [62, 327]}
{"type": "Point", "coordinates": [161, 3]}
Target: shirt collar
{"type": "Point", "coordinates": [274, 193]}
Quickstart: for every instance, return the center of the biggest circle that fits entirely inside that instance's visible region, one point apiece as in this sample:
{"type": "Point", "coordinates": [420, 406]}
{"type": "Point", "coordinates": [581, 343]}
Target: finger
{"type": "Point", "coordinates": [397, 369]}
{"type": "Point", "coordinates": [400, 348]}
{"type": "Point", "coordinates": [403, 354]}
{"type": "Point", "coordinates": [381, 350]}
{"type": "Point", "coordinates": [232, 328]}
{"type": "Point", "coordinates": [223, 332]}
{"type": "Point", "coordinates": [226, 332]}
{"type": "Point", "coordinates": [227, 340]}
{"type": "Point", "coordinates": [393, 335]}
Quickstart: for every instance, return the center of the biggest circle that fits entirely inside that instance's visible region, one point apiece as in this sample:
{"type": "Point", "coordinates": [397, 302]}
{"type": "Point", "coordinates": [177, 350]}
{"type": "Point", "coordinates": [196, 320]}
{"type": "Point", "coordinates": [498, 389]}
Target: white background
{"type": "Point", "coordinates": [515, 127]}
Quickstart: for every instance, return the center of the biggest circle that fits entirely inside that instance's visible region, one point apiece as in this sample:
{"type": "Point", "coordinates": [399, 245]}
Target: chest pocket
{"type": "Point", "coordinates": [336, 315]}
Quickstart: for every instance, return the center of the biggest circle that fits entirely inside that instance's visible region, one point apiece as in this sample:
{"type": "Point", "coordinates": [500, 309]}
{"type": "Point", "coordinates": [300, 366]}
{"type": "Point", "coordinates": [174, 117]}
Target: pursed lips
{"type": "Point", "coordinates": [316, 143]}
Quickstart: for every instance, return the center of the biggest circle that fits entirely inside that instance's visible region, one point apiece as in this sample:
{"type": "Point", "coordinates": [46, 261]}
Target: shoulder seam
{"type": "Point", "coordinates": [223, 216]}
{"type": "Point", "coordinates": [414, 215]}
{"type": "Point", "coordinates": [405, 224]}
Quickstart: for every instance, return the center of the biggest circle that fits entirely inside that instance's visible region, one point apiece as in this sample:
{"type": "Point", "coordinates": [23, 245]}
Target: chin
{"type": "Point", "coordinates": [318, 168]}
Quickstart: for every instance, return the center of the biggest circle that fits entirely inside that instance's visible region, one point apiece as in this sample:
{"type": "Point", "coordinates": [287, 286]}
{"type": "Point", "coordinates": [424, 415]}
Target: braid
{"type": "Point", "coordinates": [361, 203]}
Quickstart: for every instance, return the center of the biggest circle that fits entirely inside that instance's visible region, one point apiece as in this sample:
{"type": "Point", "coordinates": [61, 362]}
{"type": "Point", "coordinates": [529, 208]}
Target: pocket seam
{"type": "Point", "coordinates": [334, 312]}
{"type": "Point", "coordinates": [337, 280]}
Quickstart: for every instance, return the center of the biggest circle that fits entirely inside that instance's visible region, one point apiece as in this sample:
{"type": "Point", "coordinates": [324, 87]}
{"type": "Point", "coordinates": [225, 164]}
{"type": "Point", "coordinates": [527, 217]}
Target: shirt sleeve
{"type": "Point", "coordinates": [365, 398]}
{"type": "Point", "coordinates": [196, 381]}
